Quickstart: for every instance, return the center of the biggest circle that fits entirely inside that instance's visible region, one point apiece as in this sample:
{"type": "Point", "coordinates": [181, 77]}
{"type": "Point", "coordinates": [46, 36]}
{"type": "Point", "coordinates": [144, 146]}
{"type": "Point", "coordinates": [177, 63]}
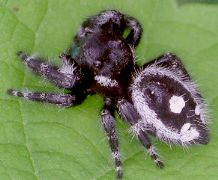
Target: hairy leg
{"type": "Point", "coordinates": [129, 114]}
{"type": "Point", "coordinates": [107, 119]}
{"type": "Point", "coordinates": [64, 100]}
{"type": "Point", "coordinates": [64, 77]}
{"type": "Point", "coordinates": [118, 23]}
{"type": "Point", "coordinates": [135, 31]}
{"type": "Point", "coordinates": [170, 61]}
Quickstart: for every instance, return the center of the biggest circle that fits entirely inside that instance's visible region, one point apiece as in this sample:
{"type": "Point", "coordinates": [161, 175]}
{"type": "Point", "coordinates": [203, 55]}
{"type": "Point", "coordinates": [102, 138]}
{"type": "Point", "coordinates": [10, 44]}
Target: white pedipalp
{"type": "Point", "coordinates": [105, 81]}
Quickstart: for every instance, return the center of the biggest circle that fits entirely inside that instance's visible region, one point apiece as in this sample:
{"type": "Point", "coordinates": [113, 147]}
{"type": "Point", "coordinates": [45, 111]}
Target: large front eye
{"type": "Point", "coordinates": [97, 64]}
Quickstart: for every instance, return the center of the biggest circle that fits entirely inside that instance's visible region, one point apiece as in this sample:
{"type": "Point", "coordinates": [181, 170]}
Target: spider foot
{"type": "Point", "coordinates": [23, 55]}
{"type": "Point", "coordinates": [159, 163]}
{"type": "Point", "coordinates": [119, 172]}
{"type": "Point", "coordinates": [151, 151]}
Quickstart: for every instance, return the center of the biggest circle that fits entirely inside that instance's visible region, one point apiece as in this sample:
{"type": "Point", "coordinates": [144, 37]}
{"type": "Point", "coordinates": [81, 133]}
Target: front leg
{"type": "Point", "coordinates": [66, 76]}
{"type": "Point", "coordinates": [128, 113]}
{"type": "Point", "coordinates": [64, 100]}
{"type": "Point", "coordinates": [110, 20]}
{"type": "Point", "coordinates": [135, 31]}
{"type": "Point", "coordinates": [107, 120]}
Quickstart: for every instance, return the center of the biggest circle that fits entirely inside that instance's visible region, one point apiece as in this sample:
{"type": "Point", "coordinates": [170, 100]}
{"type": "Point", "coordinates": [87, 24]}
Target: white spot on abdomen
{"type": "Point", "coordinates": [177, 103]}
{"type": "Point", "coordinates": [197, 110]}
{"type": "Point", "coordinates": [188, 133]}
{"type": "Point", "coordinates": [185, 127]}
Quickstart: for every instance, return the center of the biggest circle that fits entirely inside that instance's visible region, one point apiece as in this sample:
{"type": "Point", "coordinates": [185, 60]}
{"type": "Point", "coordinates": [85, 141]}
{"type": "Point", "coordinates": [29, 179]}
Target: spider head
{"type": "Point", "coordinates": [108, 20]}
{"type": "Point", "coordinates": [106, 54]}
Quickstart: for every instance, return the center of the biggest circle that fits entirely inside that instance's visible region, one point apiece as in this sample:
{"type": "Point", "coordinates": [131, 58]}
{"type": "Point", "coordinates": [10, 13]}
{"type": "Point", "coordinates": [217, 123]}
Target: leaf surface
{"type": "Point", "coordinates": [43, 142]}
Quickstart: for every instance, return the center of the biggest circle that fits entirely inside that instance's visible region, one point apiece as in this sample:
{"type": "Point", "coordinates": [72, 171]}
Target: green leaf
{"type": "Point", "coordinates": [43, 142]}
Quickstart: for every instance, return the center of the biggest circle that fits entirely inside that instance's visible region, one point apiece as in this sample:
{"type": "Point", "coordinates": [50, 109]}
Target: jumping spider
{"type": "Point", "coordinates": [158, 98]}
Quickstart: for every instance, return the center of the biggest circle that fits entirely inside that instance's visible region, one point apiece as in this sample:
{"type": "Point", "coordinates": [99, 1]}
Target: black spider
{"type": "Point", "coordinates": [158, 98]}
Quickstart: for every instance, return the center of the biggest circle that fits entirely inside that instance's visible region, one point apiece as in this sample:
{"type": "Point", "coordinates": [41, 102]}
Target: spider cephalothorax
{"type": "Point", "coordinates": [158, 98]}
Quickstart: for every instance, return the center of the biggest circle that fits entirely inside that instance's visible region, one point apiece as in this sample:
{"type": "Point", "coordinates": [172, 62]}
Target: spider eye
{"type": "Point", "coordinates": [171, 105]}
{"type": "Point", "coordinates": [97, 64]}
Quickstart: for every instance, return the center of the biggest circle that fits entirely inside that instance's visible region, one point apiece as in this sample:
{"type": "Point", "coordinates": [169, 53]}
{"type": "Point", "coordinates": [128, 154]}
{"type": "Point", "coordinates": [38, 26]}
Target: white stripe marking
{"type": "Point", "coordinates": [106, 81]}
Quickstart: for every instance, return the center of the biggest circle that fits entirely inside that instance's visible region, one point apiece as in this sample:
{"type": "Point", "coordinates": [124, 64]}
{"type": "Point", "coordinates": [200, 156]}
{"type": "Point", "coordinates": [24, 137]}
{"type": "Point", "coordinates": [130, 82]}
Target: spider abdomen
{"type": "Point", "coordinates": [170, 104]}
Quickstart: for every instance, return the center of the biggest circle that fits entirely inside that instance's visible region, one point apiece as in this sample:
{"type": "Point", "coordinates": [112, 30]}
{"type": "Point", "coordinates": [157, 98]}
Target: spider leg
{"type": "Point", "coordinates": [128, 113]}
{"type": "Point", "coordinates": [64, 77]}
{"type": "Point", "coordinates": [107, 120]}
{"type": "Point", "coordinates": [135, 31]}
{"type": "Point", "coordinates": [165, 60]}
{"type": "Point", "coordinates": [119, 22]}
{"type": "Point", "coordinates": [171, 61]}
{"type": "Point", "coordinates": [64, 100]}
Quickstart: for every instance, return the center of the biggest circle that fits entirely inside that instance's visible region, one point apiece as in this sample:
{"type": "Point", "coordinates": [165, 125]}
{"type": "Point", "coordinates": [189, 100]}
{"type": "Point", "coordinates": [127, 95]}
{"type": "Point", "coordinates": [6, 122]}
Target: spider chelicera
{"type": "Point", "coordinates": [158, 98]}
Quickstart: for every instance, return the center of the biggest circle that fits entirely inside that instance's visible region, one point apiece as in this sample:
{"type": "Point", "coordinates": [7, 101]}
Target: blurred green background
{"type": "Point", "coordinates": [43, 142]}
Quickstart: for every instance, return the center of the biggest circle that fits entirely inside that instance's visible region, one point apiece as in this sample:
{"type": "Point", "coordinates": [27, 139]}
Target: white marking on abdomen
{"type": "Point", "coordinates": [188, 133]}
{"type": "Point", "coordinates": [185, 127]}
{"type": "Point", "coordinates": [149, 117]}
{"type": "Point", "coordinates": [177, 103]}
{"type": "Point", "coordinates": [197, 110]}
